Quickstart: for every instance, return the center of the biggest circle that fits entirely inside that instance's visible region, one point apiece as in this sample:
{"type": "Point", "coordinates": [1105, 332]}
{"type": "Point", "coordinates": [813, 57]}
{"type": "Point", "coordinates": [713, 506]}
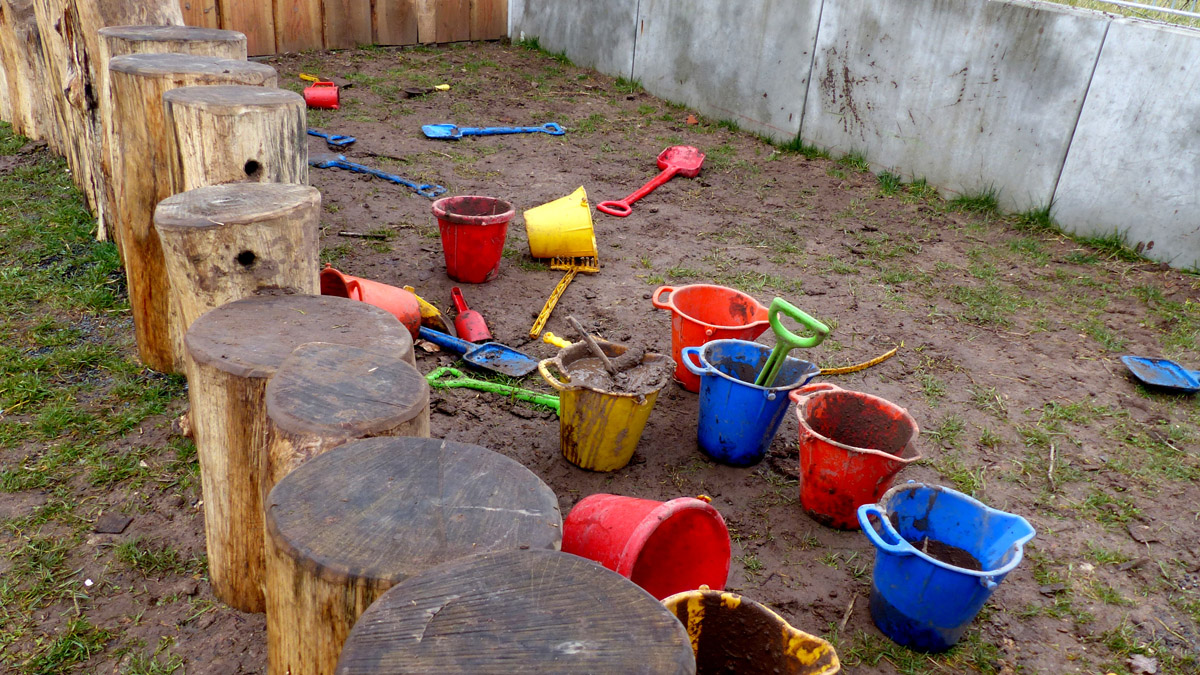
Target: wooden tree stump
{"type": "Point", "coordinates": [324, 395]}
{"type": "Point", "coordinates": [233, 350]}
{"type": "Point", "coordinates": [141, 180]}
{"type": "Point", "coordinates": [25, 71]}
{"type": "Point", "coordinates": [223, 134]}
{"type": "Point", "coordinates": [227, 242]}
{"type": "Point", "coordinates": [539, 612]}
{"type": "Point", "coordinates": [71, 45]}
{"type": "Point", "coordinates": [348, 525]}
{"type": "Point", "coordinates": [117, 40]}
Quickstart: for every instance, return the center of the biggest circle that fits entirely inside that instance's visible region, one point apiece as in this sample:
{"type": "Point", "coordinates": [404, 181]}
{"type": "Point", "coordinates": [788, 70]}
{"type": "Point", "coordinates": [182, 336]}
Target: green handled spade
{"type": "Point", "coordinates": [457, 379]}
{"type": "Point", "coordinates": [786, 341]}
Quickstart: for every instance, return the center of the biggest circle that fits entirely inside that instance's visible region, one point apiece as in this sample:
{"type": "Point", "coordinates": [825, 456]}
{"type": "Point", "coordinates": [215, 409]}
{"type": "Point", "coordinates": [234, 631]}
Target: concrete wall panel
{"type": "Point", "coordinates": [1134, 166]}
{"type": "Point", "coordinates": [969, 95]}
{"type": "Point", "coordinates": [592, 33]}
{"type": "Point", "coordinates": [741, 60]}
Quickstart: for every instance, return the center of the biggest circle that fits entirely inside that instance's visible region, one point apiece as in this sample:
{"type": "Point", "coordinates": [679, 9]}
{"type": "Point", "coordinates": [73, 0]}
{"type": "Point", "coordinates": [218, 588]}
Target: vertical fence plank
{"type": "Point", "coordinates": [489, 19]}
{"type": "Point", "coordinates": [298, 25]}
{"type": "Point", "coordinates": [453, 20]}
{"type": "Point", "coordinates": [426, 20]}
{"type": "Point", "coordinates": [347, 23]}
{"type": "Point", "coordinates": [395, 22]}
{"type": "Point", "coordinates": [201, 13]}
{"type": "Point", "coordinates": [255, 18]}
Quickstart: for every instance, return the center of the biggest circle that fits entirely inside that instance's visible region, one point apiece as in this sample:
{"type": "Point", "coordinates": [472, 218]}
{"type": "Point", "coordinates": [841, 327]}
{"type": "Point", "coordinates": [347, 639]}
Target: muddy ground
{"type": "Point", "coordinates": [1009, 338]}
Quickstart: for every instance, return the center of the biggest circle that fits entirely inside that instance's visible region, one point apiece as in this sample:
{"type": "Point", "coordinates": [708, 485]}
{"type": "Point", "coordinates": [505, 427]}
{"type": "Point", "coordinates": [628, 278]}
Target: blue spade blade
{"type": "Point", "coordinates": [1163, 373]}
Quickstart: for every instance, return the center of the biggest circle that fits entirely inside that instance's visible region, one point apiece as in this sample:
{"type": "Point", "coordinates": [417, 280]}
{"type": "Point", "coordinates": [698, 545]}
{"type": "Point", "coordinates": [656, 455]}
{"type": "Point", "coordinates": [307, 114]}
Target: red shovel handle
{"type": "Point", "coordinates": [623, 207]}
{"type": "Point", "coordinates": [460, 303]}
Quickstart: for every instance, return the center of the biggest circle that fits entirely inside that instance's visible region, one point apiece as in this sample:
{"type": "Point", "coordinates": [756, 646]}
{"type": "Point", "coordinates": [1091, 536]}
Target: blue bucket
{"type": "Point", "coordinates": [921, 602]}
{"type": "Point", "coordinates": [738, 419]}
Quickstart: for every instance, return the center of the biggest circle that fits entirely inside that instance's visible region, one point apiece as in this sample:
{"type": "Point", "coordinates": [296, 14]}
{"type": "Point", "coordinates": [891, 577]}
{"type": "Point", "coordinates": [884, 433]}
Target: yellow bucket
{"type": "Point", "coordinates": [598, 430]}
{"type": "Point", "coordinates": [562, 228]}
{"type": "Point", "coordinates": [730, 633]}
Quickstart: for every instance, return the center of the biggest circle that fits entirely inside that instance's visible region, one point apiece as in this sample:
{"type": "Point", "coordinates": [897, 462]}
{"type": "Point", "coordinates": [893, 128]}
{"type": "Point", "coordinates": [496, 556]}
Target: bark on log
{"type": "Point", "coordinates": [517, 612]}
{"type": "Point", "coordinates": [227, 242]}
{"type": "Point", "coordinates": [225, 134]}
{"type": "Point", "coordinates": [233, 351]}
{"type": "Point", "coordinates": [71, 46]}
{"type": "Point", "coordinates": [26, 71]}
{"type": "Point", "coordinates": [346, 526]}
{"type": "Point", "coordinates": [141, 158]}
{"type": "Point", "coordinates": [324, 395]}
{"type": "Point", "coordinates": [126, 40]}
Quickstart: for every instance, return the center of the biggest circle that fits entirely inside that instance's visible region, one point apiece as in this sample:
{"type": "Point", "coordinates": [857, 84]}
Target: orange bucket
{"type": "Point", "coordinates": [701, 313]}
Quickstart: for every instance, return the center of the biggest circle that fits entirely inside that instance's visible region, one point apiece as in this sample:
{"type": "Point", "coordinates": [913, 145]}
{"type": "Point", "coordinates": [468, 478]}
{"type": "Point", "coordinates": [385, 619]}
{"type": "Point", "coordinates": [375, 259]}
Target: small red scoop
{"type": "Point", "coordinates": [677, 159]}
{"type": "Point", "coordinates": [468, 323]}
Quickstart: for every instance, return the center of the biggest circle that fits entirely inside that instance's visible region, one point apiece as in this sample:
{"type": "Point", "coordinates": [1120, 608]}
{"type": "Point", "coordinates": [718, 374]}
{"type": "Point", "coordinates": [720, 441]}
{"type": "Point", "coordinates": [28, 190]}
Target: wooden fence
{"type": "Point", "coordinates": [274, 26]}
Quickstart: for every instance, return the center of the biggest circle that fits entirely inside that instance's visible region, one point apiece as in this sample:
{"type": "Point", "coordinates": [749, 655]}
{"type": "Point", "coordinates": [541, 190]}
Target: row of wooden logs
{"type": "Point", "coordinates": [321, 487]}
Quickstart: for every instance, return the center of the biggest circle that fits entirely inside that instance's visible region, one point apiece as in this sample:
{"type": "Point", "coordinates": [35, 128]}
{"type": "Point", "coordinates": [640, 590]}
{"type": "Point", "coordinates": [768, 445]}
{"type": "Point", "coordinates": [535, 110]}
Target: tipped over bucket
{"type": "Point", "coordinates": [562, 228]}
{"type": "Point", "coordinates": [731, 633]}
{"type": "Point", "coordinates": [396, 301]}
{"type": "Point", "coordinates": [664, 547]}
{"type": "Point", "coordinates": [939, 556]}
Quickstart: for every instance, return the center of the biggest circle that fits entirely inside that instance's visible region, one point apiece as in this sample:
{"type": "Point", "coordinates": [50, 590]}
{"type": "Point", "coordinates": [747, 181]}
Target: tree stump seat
{"type": "Point", "coordinates": [344, 527]}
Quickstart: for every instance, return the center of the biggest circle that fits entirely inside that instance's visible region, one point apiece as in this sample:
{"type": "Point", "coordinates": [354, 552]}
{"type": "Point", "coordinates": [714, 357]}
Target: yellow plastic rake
{"type": "Point", "coordinates": [572, 266]}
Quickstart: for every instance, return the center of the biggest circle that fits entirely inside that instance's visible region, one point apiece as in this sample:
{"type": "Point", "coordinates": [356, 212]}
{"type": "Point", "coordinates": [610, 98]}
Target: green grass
{"type": "Point", "coordinates": [983, 202]}
{"type": "Point", "coordinates": [153, 559]}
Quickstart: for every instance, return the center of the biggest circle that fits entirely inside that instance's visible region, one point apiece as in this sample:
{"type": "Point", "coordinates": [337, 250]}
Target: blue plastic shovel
{"type": "Point", "coordinates": [1163, 373]}
{"type": "Point", "coordinates": [334, 141]}
{"type": "Point", "coordinates": [326, 161]}
{"type": "Point", "coordinates": [489, 355]}
{"type": "Point", "coordinates": [452, 132]}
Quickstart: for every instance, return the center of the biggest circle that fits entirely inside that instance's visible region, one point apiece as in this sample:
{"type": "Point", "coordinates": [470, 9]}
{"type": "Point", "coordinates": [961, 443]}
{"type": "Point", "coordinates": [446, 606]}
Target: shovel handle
{"type": "Point", "coordinates": [548, 128]}
{"type": "Point", "coordinates": [460, 303]}
{"type": "Point", "coordinates": [622, 208]}
{"type": "Point", "coordinates": [783, 335]}
{"type": "Point", "coordinates": [448, 341]}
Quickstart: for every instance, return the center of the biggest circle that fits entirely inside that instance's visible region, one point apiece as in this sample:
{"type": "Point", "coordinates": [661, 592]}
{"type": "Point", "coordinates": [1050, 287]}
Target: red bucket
{"type": "Point", "coordinates": [701, 313]}
{"type": "Point", "coordinates": [322, 95]}
{"type": "Point", "coordinates": [473, 231]}
{"type": "Point", "coordinates": [852, 445]}
{"type": "Point", "coordinates": [664, 547]}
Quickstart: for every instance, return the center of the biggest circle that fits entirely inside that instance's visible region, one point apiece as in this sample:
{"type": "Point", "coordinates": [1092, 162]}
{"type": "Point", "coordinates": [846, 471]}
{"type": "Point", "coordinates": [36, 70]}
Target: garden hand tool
{"type": "Point", "coordinates": [468, 323]}
{"type": "Point", "coordinates": [677, 159]}
{"type": "Point", "coordinates": [328, 161]}
{"type": "Point", "coordinates": [786, 341]}
{"type": "Point", "coordinates": [452, 132]}
{"type": "Point", "coordinates": [447, 378]}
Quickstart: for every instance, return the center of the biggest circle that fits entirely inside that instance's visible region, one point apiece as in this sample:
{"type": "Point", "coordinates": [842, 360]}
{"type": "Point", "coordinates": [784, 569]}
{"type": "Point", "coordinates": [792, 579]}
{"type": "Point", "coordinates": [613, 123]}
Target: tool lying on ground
{"type": "Point", "coordinates": [454, 133]}
{"type": "Point", "coordinates": [327, 161]}
{"type": "Point", "coordinates": [468, 323]}
{"type": "Point", "coordinates": [552, 339]}
{"type": "Point", "coordinates": [449, 378]}
{"type": "Point", "coordinates": [489, 356]}
{"type": "Point", "coordinates": [677, 159]}
{"type": "Point", "coordinates": [334, 141]}
{"type": "Point", "coordinates": [844, 370]}
{"type": "Point", "coordinates": [1163, 373]}
{"type": "Point", "coordinates": [430, 316]}
{"type": "Point", "coordinates": [572, 266]}
{"type": "Point", "coordinates": [785, 340]}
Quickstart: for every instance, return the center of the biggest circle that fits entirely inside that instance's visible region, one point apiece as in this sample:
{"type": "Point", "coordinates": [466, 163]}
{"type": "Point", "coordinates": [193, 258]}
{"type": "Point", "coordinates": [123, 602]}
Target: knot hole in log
{"type": "Point", "coordinates": [246, 258]}
{"type": "Point", "coordinates": [253, 169]}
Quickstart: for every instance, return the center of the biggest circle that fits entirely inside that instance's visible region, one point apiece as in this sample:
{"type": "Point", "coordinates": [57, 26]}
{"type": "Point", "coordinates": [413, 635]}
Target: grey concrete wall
{"type": "Point", "coordinates": [740, 60]}
{"type": "Point", "coordinates": [971, 96]}
{"type": "Point", "coordinates": [1134, 163]}
{"type": "Point", "coordinates": [592, 33]}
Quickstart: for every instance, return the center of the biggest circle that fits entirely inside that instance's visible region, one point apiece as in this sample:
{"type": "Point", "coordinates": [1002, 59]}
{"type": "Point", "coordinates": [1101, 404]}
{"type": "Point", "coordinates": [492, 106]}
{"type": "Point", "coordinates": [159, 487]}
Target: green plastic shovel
{"type": "Point", "coordinates": [457, 379]}
{"type": "Point", "coordinates": [786, 341]}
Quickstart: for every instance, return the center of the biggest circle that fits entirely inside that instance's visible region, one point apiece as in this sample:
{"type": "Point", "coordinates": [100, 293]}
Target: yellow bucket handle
{"type": "Point", "coordinates": [544, 369]}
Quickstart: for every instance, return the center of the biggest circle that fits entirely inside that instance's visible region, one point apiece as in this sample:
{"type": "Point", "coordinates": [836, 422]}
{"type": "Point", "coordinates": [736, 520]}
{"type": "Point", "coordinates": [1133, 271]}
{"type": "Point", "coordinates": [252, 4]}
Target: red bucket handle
{"type": "Point", "coordinates": [656, 298]}
{"type": "Point", "coordinates": [802, 394]}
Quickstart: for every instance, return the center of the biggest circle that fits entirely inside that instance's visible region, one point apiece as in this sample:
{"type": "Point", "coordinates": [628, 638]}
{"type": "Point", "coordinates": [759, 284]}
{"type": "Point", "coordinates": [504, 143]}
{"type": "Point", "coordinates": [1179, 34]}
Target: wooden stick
{"type": "Point", "coordinates": [360, 235]}
{"type": "Point", "coordinates": [595, 347]}
{"type": "Point", "coordinates": [846, 616]}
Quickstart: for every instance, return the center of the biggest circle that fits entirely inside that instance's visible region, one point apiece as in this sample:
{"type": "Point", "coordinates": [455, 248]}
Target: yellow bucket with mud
{"type": "Point", "coordinates": [562, 228]}
{"type": "Point", "coordinates": [734, 634]}
{"type": "Point", "coordinates": [599, 429]}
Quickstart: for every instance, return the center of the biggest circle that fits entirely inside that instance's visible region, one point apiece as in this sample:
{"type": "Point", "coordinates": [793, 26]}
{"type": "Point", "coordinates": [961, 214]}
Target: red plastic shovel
{"type": "Point", "coordinates": [677, 159]}
{"type": "Point", "coordinates": [468, 323]}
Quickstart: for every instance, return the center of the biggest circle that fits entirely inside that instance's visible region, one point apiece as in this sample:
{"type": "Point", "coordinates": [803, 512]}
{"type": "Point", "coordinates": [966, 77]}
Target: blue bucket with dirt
{"type": "Point", "coordinates": [738, 419]}
{"type": "Point", "coordinates": [939, 556]}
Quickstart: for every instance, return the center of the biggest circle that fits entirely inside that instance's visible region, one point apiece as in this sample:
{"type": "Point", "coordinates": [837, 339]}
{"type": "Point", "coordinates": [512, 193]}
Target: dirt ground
{"type": "Point", "coordinates": [1009, 336]}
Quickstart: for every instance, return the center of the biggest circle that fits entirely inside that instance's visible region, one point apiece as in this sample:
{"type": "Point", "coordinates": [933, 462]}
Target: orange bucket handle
{"type": "Point", "coordinates": [656, 298]}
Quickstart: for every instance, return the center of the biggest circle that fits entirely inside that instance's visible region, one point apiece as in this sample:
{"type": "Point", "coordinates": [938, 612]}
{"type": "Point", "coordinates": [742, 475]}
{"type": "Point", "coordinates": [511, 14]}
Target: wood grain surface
{"type": "Point", "coordinates": [517, 612]}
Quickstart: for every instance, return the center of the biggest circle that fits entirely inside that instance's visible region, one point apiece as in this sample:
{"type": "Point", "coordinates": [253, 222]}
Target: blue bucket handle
{"type": "Point", "coordinates": [687, 354]}
{"type": "Point", "coordinates": [897, 545]}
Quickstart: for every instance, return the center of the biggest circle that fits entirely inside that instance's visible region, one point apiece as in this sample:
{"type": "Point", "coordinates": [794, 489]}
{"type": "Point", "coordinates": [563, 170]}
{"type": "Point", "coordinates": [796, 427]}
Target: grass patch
{"type": "Point", "coordinates": [983, 202]}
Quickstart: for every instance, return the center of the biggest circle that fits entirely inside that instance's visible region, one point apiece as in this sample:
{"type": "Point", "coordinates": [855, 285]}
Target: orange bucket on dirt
{"type": "Point", "coordinates": [852, 445]}
{"type": "Point", "coordinates": [701, 313]}
{"type": "Point", "coordinates": [396, 301]}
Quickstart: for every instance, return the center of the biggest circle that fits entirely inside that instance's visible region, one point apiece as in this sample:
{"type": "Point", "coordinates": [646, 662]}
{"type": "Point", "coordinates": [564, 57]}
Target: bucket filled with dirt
{"type": "Point", "coordinates": [939, 556]}
{"type": "Point", "coordinates": [601, 416]}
